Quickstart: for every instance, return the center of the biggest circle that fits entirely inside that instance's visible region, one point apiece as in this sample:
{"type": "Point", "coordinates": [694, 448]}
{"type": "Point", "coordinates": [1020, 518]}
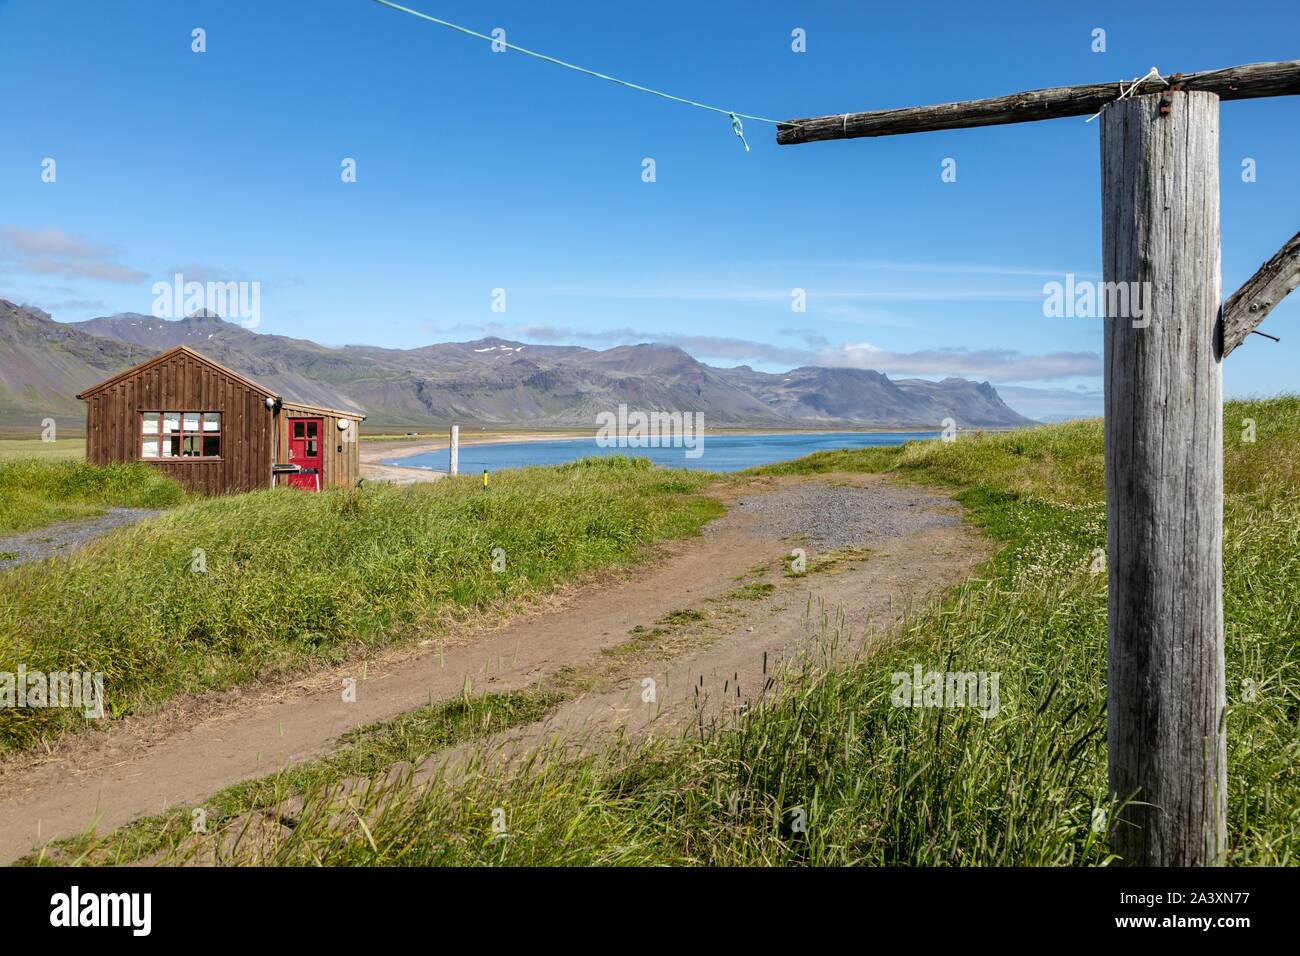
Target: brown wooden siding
{"type": "Point", "coordinates": [184, 383]}
{"type": "Point", "coordinates": [340, 460]}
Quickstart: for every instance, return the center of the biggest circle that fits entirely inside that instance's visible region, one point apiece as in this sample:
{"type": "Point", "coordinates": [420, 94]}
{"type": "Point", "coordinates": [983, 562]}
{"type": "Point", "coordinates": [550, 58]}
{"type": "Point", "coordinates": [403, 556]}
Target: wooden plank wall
{"type": "Point", "coordinates": [339, 469]}
{"type": "Point", "coordinates": [185, 384]}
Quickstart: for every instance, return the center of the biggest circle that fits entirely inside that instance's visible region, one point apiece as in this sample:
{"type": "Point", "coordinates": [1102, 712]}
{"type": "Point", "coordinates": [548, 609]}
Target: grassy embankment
{"type": "Point", "coordinates": [877, 784]}
{"type": "Point", "coordinates": [296, 581]}
{"type": "Point", "coordinates": [36, 491]}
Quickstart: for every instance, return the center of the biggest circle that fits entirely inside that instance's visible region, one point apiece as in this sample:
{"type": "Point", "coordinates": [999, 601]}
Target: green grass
{"type": "Point", "coordinates": [38, 491]}
{"type": "Point", "coordinates": [753, 591]}
{"type": "Point", "coordinates": [830, 772]}
{"type": "Point", "coordinates": [296, 581]}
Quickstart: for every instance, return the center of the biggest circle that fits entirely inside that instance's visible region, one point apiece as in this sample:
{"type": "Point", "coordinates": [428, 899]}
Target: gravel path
{"type": "Point", "coordinates": [65, 536]}
{"type": "Point", "coordinates": [831, 516]}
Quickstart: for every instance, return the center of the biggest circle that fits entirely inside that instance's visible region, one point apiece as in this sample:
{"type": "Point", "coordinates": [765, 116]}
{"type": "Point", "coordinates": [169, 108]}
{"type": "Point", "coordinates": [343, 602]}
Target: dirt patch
{"type": "Point", "coordinates": [833, 516]}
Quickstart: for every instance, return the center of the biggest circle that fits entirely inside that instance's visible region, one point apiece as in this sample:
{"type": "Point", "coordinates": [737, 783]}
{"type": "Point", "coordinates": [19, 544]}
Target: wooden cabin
{"type": "Point", "coordinates": [217, 432]}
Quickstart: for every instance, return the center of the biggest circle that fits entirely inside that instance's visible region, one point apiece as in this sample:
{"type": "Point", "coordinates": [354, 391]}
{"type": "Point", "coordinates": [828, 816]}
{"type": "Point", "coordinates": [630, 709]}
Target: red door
{"type": "Point", "coordinates": [305, 452]}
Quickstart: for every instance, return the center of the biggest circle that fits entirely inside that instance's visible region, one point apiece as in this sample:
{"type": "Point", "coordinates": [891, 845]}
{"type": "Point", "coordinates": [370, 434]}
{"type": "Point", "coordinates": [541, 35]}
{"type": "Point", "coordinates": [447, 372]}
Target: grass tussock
{"type": "Point", "coordinates": [37, 491]}
{"type": "Point", "coordinates": [223, 590]}
{"type": "Point", "coordinates": [832, 772]}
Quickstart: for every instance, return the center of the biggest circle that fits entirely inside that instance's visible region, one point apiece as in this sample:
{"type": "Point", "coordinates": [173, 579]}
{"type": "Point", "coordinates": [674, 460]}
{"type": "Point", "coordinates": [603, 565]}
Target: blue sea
{"type": "Point", "coordinates": [720, 452]}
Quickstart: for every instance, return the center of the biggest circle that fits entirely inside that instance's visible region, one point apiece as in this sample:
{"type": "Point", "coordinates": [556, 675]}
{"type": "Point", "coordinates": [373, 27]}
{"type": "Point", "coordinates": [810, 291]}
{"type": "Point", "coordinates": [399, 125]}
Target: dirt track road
{"type": "Point", "coordinates": [192, 748]}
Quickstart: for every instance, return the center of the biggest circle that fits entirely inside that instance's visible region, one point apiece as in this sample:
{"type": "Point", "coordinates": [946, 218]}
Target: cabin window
{"type": "Point", "coordinates": [180, 435]}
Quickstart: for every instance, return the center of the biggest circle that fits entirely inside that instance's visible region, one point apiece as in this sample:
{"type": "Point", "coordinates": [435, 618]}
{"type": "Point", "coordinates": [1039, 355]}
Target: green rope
{"type": "Point", "coordinates": [735, 121]}
{"type": "Point", "coordinates": [739, 129]}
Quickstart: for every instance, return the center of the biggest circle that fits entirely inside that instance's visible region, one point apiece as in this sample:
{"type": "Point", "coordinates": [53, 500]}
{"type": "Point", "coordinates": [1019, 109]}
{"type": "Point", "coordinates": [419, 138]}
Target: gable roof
{"type": "Point", "coordinates": [308, 407]}
{"type": "Point", "coordinates": [217, 366]}
{"type": "Point", "coordinates": [172, 353]}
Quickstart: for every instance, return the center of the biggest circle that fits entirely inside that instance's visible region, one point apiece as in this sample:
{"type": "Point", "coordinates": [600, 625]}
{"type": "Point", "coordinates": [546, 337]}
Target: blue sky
{"type": "Point", "coordinates": [479, 171]}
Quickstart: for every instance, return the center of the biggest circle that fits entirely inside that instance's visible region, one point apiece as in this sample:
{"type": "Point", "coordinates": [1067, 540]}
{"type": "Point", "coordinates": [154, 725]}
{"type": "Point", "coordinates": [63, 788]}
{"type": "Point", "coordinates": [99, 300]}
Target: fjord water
{"type": "Point", "coordinates": [720, 452]}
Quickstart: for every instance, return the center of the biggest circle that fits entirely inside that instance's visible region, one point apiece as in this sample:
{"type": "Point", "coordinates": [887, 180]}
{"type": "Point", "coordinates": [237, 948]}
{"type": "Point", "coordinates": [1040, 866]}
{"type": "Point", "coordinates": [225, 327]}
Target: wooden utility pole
{"type": "Point", "coordinates": [1165, 335]}
{"type": "Point", "coordinates": [1164, 478]}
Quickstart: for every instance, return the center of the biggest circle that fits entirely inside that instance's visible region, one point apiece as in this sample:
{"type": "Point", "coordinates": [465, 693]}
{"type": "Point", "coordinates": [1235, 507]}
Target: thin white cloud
{"type": "Point", "coordinates": [811, 337]}
{"type": "Point", "coordinates": [814, 294]}
{"type": "Point", "coordinates": [51, 251]}
{"type": "Point", "coordinates": [999, 365]}
{"type": "Point", "coordinates": [1047, 404]}
{"type": "Point", "coordinates": [201, 272]}
{"type": "Point", "coordinates": [959, 268]}
{"type": "Point", "coordinates": [854, 314]}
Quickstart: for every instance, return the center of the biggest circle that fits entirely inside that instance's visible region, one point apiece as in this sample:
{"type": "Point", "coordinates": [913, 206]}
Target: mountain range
{"type": "Point", "coordinates": [492, 381]}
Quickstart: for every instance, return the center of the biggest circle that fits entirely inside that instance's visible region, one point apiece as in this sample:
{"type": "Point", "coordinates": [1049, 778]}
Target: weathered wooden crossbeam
{"type": "Point", "coordinates": [1234, 83]}
{"type": "Point", "coordinates": [1246, 307]}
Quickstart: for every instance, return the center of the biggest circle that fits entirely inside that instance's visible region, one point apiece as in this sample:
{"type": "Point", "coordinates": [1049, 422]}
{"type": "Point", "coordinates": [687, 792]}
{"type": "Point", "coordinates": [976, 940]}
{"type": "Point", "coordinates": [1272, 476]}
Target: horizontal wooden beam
{"type": "Point", "coordinates": [1246, 307]}
{"type": "Point", "coordinates": [1235, 83]}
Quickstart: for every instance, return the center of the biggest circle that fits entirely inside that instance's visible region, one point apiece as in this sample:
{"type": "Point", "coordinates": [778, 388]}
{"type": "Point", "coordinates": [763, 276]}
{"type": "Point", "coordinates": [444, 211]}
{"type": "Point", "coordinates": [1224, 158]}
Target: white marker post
{"type": "Point", "coordinates": [455, 449]}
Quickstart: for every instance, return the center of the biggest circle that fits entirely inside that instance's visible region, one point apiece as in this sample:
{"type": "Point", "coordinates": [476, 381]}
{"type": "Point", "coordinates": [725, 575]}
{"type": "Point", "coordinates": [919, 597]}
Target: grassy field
{"type": "Point", "coordinates": [59, 450]}
{"type": "Point", "coordinates": [37, 491]}
{"type": "Point", "coordinates": [290, 581]}
{"type": "Point", "coordinates": [830, 772]}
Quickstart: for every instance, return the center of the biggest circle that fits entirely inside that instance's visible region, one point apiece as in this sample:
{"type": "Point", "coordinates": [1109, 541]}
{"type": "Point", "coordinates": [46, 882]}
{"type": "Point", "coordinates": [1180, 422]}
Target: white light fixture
{"type": "Point", "coordinates": [343, 424]}
{"type": "Point", "coordinates": [270, 402]}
